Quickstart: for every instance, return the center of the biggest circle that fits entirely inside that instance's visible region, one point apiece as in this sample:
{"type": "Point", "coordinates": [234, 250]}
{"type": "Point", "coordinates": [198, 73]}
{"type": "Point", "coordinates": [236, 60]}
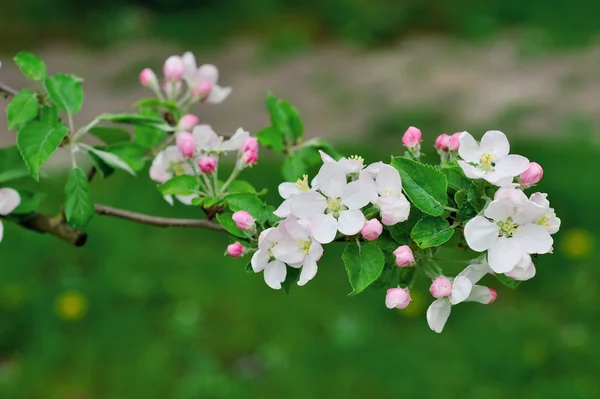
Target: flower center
{"type": "Point", "coordinates": [334, 207]}
{"type": "Point", "coordinates": [486, 162]}
{"type": "Point", "coordinates": [357, 158]}
{"type": "Point", "coordinates": [544, 221]}
{"type": "Point", "coordinates": [177, 168]}
{"type": "Point", "coordinates": [302, 184]}
{"type": "Point", "coordinates": [304, 245]}
{"type": "Point", "coordinates": [507, 228]}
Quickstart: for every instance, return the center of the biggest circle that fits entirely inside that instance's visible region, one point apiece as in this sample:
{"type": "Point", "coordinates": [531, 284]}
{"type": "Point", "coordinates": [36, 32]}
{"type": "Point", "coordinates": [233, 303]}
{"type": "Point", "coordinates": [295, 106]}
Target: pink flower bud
{"type": "Point", "coordinates": [371, 230]}
{"type": "Point", "coordinates": [441, 287]}
{"type": "Point", "coordinates": [251, 144]}
{"type": "Point", "coordinates": [243, 220]}
{"type": "Point", "coordinates": [454, 142]}
{"type": "Point", "coordinates": [441, 143]}
{"type": "Point", "coordinates": [397, 298]}
{"type": "Point", "coordinates": [185, 143]}
{"type": "Point", "coordinates": [412, 137]}
{"type": "Point", "coordinates": [188, 122]}
{"type": "Point", "coordinates": [236, 250]}
{"type": "Point", "coordinates": [404, 256]}
{"type": "Point", "coordinates": [250, 157]}
{"type": "Point", "coordinates": [207, 164]}
{"type": "Point", "coordinates": [148, 78]}
{"type": "Point", "coordinates": [173, 68]}
{"type": "Point", "coordinates": [532, 175]}
{"type": "Point", "coordinates": [494, 296]}
{"type": "Point", "coordinates": [203, 89]}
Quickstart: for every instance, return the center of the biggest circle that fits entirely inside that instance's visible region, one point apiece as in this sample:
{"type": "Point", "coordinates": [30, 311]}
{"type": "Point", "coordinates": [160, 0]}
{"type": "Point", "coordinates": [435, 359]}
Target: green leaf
{"type": "Point", "coordinates": [293, 167]}
{"type": "Point", "coordinates": [31, 65]}
{"type": "Point", "coordinates": [364, 265]}
{"type": "Point", "coordinates": [278, 116]}
{"type": "Point", "coordinates": [466, 211]}
{"type": "Point", "coordinates": [460, 197]}
{"type": "Point", "coordinates": [11, 164]}
{"type": "Point", "coordinates": [431, 232]}
{"type": "Point", "coordinates": [226, 220]}
{"type": "Point", "coordinates": [291, 277]}
{"type": "Point", "coordinates": [30, 202]}
{"type": "Point", "coordinates": [179, 185]}
{"type": "Point", "coordinates": [112, 160]}
{"type": "Point", "coordinates": [507, 281]}
{"type": "Point", "coordinates": [110, 135]}
{"type": "Point", "coordinates": [149, 137]}
{"type": "Point", "coordinates": [211, 201]}
{"type": "Point", "coordinates": [197, 201]}
{"type": "Point", "coordinates": [37, 141]}
{"type": "Point", "coordinates": [155, 103]}
{"type": "Point", "coordinates": [102, 167]}
{"type": "Point", "coordinates": [22, 108]}
{"type": "Point", "coordinates": [66, 92]}
{"type": "Point", "coordinates": [294, 121]}
{"type": "Point", "coordinates": [271, 137]}
{"type": "Point", "coordinates": [138, 120]}
{"type": "Point", "coordinates": [134, 155]}
{"type": "Point", "coordinates": [271, 217]}
{"type": "Point", "coordinates": [424, 185]}
{"type": "Point", "coordinates": [240, 186]}
{"type": "Point", "coordinates": [79, 208]}
{"type": "Point", "coordinates": [250, 203]}
{"type": "Point", "coordinates": [475, 196]}
{"type": "Point", "coordinates": [49, 115]}
{"type": "Point", "coordinates": [456, 178]}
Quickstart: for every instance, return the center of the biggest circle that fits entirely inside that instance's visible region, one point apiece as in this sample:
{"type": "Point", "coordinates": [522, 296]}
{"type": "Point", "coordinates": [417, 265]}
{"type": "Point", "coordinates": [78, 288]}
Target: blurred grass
{"type": "Point", "coordinates": [141, 312]}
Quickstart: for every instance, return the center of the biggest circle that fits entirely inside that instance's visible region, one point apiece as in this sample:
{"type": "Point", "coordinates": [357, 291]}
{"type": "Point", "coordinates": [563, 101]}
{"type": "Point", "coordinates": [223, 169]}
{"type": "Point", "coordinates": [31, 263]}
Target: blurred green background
{"type": "Point", "coordinates": [141, 312]}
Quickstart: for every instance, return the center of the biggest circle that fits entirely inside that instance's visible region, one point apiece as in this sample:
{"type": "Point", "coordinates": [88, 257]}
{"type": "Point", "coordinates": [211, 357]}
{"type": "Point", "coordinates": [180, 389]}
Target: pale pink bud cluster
{"type": "Point", "coordinates": [173, 68]}
{"type": "Point", "coordinates": [250, 151]}
{"type": "Point", "coordinates": [203, 89]}
{"type": "Point", "coordinates": [371, 230]}
{"type": "Point", "coordinates": [532, 175]}
{"type": "Point", "coordinates": [187, 122]}
{"type": "Point", "coordinates": [441, 287]}
{"type": "Point", "coordinates": [445, 143]}
{"type": "Point", "coordinates": [148, 79]}
{"type": "Point", "coordinates": [404, 256]}
{"type": "Point", "coordinates": [412, 138]}
{"type": "Point", "coordinates": [243, 220]}
{"type": "Point", "coordinates": [235, 250]}
{"type": "Point", "coordinates": [185, 144]}
{"type": "Point", "coordinates": [207, 164]}
{"type": "Point", "coordinates": [398, 298]}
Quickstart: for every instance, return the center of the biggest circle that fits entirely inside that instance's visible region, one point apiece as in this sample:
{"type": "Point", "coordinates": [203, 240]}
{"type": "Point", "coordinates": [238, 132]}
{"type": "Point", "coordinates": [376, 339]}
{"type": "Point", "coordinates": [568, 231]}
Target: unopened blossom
{"type": "Point", "coordinates": [185, 143]}
{"type": "Point", "coordinates": [187, 122]}
{"type": "Point", "coordinates": [371, 230]}
{"type": "Point", "coordinates": [173, 68]}
{"type": "Point", "coordinates": [490, 160]}
{"type": "Point", "coordinates": [454, 142]}
{"type": "Point", "coordinates": [288, 190]}
{"type": "Point", "coordinates": [388, 196]}
{"type": "Point", "coordinates": [441, 287]}
{"type": "Point", "coordinates": [148, 79]}
{"type": "Point", "coordinates": [464, 289]}
{"type": "Point", "coordinates": [532, 175]}
{"type": "Point", "coordinates": [549, 221]}
{"type": "Point", "coordinates": [398, 298]}
{"type": "Point", "coordinates": [442, 142]}
{"type": "Point", "coordinates": [168, 164]}
{"type": "Point", "coordinates": [509, 230]}
{"type": "Point", "coordinates": [250, 144]}
{"type": "Point", "coordinates": [207, 164]}
{"type": "Point", "coordinates": [336, 206]}
{"type": "Point", "coordinates": [209, 142]}
{"type": "Point", "coordinates": [412, 138]}
{"type": "Point", "coordinates": [9, 201]}
{"type": "Point", "coordinates": [235, 250]}
{"type": "Point", "coordinates": [263, 259]}
{"type": "Point", "coordinates": [250, 157]}
{"type": "Point", "coordinates": [204, 80]}
{"type": "Point", "coordinates": [404, 256]}
{"type": "Point", "coordinates": [243, 220]}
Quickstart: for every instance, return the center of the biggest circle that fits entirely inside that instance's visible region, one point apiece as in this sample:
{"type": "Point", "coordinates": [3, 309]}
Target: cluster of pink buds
{"type": "Point", "coordinates": [250, 151]}
{"type": "Point", "coordinates": [412, 140]}
{"type": "Point", "coordinates": [447, 146]}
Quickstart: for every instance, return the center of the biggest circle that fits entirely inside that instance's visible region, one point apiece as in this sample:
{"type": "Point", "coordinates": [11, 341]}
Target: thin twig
{"type": "Point", "coordinates": [7, 90]}
{"type": "Point", "coordinates": [155, 220]}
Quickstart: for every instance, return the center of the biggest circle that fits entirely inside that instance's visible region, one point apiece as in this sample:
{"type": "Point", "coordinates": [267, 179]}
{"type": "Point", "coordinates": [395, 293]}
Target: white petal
{"type": "Point", "coordinates": [236, 141]}
{"type": "Point", "coordinates": [325, 157]}
{"type": "Point", "coordinates": [511, 165]}
{"type": "Point", "coordinates": [288, 189]}
{"type": "Point", "coordinates": [534, 239]}
{"type": "Point", "coordinates": [525, 270]}
{"type": "Point", "coordinates": [350, 165]}
{"type": "Point", "coordinates": [9, 200]}
{"type": "Point", "coordinates": [186, 199]}
{"type": "Point", "coordinates": [461, 289]}
{"type": "Point", "coordinates": [268, 237]}
{"type": "Point", "coordinates": [358, 194]}
{"type": "Point", "coordinates": [284, 209]}
{"type": "Point", "coordinates": [208, 72]}
{"type": "Point", "coordinates": [500, 210]}
{"type": "Point", "coordinates": [287, 251]}
{"type": "Point", "coordinates": [480, 294]}
{"type": "Point", "coordinates": [471, 171]}
{"type": "Point", "coordinates": [296, 230]}
{"type": "Point", "coordinates": [218, 94]}
{"type": "Point", "coordinates": [475, 272]}
{"type": "Point", "coordinates": [307, 205]}
{"type": "Point", "coordinates": [469, 150]}
{"type": "Point", "coordinates": [351, 222]}
{"type": "Point", "coordinates": [394, 209]}
{"type": "Point", "coordinates": [323, 228]}
{"type": "Point", "coordinates": [504, 254]}
{"type": "Point", "coordinates": [437, 315]}
{"type": "Point", "coordinates": [189, 67]}
{"type": "Point", "coordinates": [169, 199]}
{"type": "Point", "coordinates": [275, 273]}
{"type": "Point", "coordinates": [332, 180]}
{"type": "Point", "coordinates": [540, 199]}
{"type": "Point", "coordinates": [309, 271]}
{"type": "Point", "coordinates": [205, 138]}
{"type": "Point", "coordinates": [389, 181]}
{"type": "Point", "coordinates": [499, 181]}
{"type": "Point", "coordinates": [1, 230]}
{"type": "Point", "coordinates": [495, 142]}
{"type": "Point", "coordinates": [260, 259]}
{"type": "Point", "coordinates": [480, 233]}
{"type": "Point", "coordinates": [528, 212]}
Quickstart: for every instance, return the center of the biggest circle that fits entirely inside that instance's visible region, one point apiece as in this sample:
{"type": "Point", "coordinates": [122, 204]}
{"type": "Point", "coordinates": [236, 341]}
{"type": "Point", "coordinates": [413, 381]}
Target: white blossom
{"type": "Point", "coordinates": [263, 260]}
{"type": "Point", "coordinates": [208, 142]}
{"type": "Point", "coordinates": [206, 74]}
{"type": "Point", "coordinates": [9, 201]}
{"type": "Point", "coordinates": [287, 191]}
{"type": "Point", "coordinates": [390, 200]}
{"type": "Point", "coordinates": [549, 220]}
{"type": "Point", "coordinates": [168, 164]}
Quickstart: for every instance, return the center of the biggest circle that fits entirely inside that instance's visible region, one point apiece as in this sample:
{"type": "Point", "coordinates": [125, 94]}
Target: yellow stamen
{"type": "Point", "coordinates": [302, 184]}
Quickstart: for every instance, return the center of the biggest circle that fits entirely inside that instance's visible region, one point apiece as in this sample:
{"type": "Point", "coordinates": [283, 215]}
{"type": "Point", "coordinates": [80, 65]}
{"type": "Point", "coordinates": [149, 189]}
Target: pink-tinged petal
{"type": "Point", "coordinates": [316, 251]}
{"type": "Point", "coordinates": [332, 180]}
{"type": "Point", "coordinates": [325, 157]}
{"type": "Point", "coordinates": [461, 289]}
{"type": "Point", "coordinates": [268, 237]}
{"type": "Point", "coordinates": [208, 72]}
{"type": "Point", "coordinates": [438, 314]}
{"type": "Point", "coordinates": [500, 210]}
{"type": "Point", "coordinates": [189, 66]}
{"type": "Point", "coordinates": [475, 272]}
{"type": "Point", "coordinates": [205, 137]}
{"type": "Point", "coordinates": [288, 189]}
{"type": "Point", "coordinates": [236, 141]}
{"type": "Point", "coordinates": [292, 227]}
{"type": "Point", "coordinates": [309, 271]}
{"type": "Point", "coordinates": [480, 233]}
{"type": "Point", "coordinates": [288, 251]}
{"type": "Point", "coordinates": [275, 273]}
{"type": "Point", "coordinates": [307, 205]}
{"type": "Point", "coordinates": [357, 194]}
{"type": "Point", "coordinates": [540, 199]}
{"type": "Point", "coordinates": [9, 200]}
{"type": "Point", "coordinates": [350, 222]}
{"type": "Point", "coordinates": [323, 228]}
{"type": "Point", "coordinates": [394, 209]}
{"type": "Point", "coordinates": [534, 239]}
{"type": "Point", "coordinates": [525, 270]}
{"type": "Point", "coordinates": [260, 259]}
{"type": "Point", "coordinates": [481, 294]}
{"type": "Point", "coordinates": [504, 254]}
{"type": "Point", "coordinates": [497, 180]}
{"type": "Point", "coordinates": [495, 142]}
{"type": "Point", "coordinates": [1, 230]}
{"type": "Point", "coordinates": [471, 171]}
{"type": "Point", "coordinates": [284, 209]}
{"type": "Point", "coordinates": [512, 165]}
{"type": "Point", "coordinates": [469, 150]}
{"type": "Point", "coordinates": [218, 94]}
{"type": "Point", "coordinates": [516, 195]}
{"type": "Point", "coordinates": [388, 181]}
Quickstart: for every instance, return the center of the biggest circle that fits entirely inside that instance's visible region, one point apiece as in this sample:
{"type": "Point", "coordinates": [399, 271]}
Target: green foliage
{"type": "Point", "coordinates": [134, 155]}
{"type": "Point", "coordinates": [364, 264]}
{"type": "Point", "coordinates": [22, 109]}
{"type": "Point", "coordinates": [147, 136]}
{"type": "Point", "coordinates": [431, 232]}
{"type": "Point", "coordinates": [270, 137]}
{"type": "Point", "coordinates": [11, 164]}
{"type": "Point", "coordinates": [507, 281]}
{"type": "Point", "coordinates": [241, 186]}
{"type": "Point", "coordinates": [424, 185]}
{"type": "Point", "coordinates": [102, 167]}
{"type": "Point", "coordinates": [226, 220]}
{"type": "Point", "coordinates": [30, 202]}
{"type": "Point", "coordinates": [137, 120]}
{"type": "Point", "coordinates": [247, 202]}
{"type": "Point", "coordinates": [179, 185]}
{"type": "Point", "coordinates": [79, 207]}
{"type": "Point", "coordinates": [456, 178]}
{"type": "Point", "coordinates": [112, 160]}
{"type": "Point", "coordinates": [66, 92]}
{"type": "Point", "coordinates": [31, 66]}
{"type": "Point", "coordinates": [109, 134]}
{"type": "Point", "coordinates": [291, 278]}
